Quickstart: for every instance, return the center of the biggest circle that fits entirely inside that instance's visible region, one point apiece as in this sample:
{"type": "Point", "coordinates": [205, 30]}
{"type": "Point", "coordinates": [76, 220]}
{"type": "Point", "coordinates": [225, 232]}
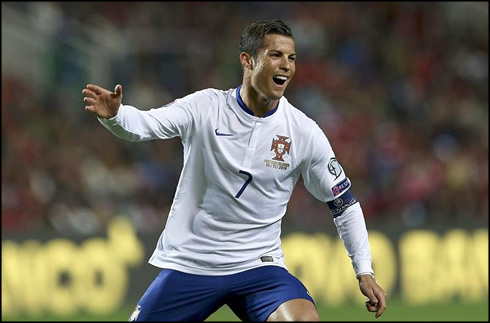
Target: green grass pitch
{"type": "Point", "coordinates": [396, 311]}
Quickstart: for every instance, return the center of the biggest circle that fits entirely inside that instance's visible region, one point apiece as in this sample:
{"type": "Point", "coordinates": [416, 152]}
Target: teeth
{"type": "Point", "coordinates": [283, 78]}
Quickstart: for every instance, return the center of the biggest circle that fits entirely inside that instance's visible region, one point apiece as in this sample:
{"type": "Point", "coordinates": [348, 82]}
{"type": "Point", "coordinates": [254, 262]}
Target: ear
{"type": "Point", "coordinates": [246, 60]}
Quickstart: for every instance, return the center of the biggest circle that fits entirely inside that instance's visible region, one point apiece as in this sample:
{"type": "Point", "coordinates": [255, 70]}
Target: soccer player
{"type": "Point", "coordinates": [244, 150]}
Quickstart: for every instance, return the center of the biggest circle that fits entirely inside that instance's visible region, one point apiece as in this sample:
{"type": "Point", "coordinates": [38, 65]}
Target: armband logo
{"type": "Point", "coordinates": [340, 204]}
{"type": "Point", "coordinates": [340, 187]}
{"type": "Point", "coordinates": [334, 167]}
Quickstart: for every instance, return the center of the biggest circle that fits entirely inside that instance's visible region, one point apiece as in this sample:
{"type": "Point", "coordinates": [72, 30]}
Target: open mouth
{"type": "Point", "coordinates": [279, 79]}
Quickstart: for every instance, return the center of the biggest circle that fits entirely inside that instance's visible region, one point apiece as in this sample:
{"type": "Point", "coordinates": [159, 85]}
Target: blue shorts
{"type": "Point", "coordinates": [252, 295]}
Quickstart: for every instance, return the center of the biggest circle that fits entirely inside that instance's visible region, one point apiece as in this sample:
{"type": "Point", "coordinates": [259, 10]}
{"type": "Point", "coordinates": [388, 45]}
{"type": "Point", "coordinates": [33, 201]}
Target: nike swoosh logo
{"type": "Point", "coordinates": [221, 134]}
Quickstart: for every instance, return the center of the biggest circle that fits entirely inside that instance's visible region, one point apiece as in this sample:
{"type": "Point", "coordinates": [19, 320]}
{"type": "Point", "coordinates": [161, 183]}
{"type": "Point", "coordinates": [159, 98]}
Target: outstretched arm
{"type": "Point", "coordinates": [101, 102]}
{"type": "Point", "coordinates": [183, 117]}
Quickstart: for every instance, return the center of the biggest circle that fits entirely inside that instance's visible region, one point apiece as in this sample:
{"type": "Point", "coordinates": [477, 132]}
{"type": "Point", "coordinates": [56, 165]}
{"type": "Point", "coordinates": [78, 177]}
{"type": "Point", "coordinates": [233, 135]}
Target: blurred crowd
{"type": "Point", "coordinates": [400, 89]}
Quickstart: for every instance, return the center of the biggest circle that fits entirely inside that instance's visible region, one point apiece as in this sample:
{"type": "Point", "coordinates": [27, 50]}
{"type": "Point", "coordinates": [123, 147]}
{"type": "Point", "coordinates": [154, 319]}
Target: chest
{"type": "Point", "coordinates": [259, 144]}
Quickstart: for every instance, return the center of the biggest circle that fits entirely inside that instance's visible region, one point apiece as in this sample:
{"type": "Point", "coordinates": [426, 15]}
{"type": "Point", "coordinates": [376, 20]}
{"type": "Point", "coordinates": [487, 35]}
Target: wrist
{"type": "Point", "coordinates": [359, 276]}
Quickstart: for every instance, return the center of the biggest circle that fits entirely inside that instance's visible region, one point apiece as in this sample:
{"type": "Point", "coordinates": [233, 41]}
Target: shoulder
{"type": "Point", "coordinates": [212, 93]}
{"type": "Point", "coordinates": [304, 126]}
{"type": "Point", "coordinates": [208, 95]}
{"type": "Point", "coordinates": [294, 111]}
{"type": "Point", "coordinates": [298, 117]}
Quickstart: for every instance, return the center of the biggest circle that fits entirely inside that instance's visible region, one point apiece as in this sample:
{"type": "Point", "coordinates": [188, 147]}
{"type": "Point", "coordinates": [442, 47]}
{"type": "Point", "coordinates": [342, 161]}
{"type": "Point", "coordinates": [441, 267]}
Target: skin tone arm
{"type": "Point", "coordinates": [101, 102]}
{"type": "Point", "coordinates": [376, 295]}
{"type": "Point", "coordinates": [304, 310]}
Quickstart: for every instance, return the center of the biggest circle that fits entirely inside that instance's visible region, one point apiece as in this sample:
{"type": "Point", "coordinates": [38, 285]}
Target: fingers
{"type": "Point", "coordinates": [375, 307]}
{"type": "Point", "coordinates": [88, 93]}
{"type": "Point", "coordinates": [89, 101]}
{"type": "Point", "coordinates": [381, 304]}
{"type": "Point", "coordinates": [90, 108]}
{"type": "Point", "coordinates": [376, 301]}
{"type": "Point", "coordinates": [103, 103]}
{"type": "Point", "coordinates": [92, 91]}
{"type": "Point", "coordinates": [95, 88]}
{"type": "Point", "coordinates": [372, 300]}
{"type": "Point", "coordinates": [370, 306]}
{"type": "Point", "coordinates": [377, 304]}
{"type": "Point", "coordinates": [118, 90]}
{"type": "Point", "coordinates": [117, 94]}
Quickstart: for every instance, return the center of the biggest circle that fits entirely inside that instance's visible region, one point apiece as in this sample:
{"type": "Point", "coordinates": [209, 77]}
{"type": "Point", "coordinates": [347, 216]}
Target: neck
{"type": "Point", "coordinates": [255, 102]}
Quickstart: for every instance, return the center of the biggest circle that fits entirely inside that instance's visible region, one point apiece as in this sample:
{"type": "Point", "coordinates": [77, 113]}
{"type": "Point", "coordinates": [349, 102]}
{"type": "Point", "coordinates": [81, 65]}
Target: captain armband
{"type": "Point", "coordinates": [341, 203]}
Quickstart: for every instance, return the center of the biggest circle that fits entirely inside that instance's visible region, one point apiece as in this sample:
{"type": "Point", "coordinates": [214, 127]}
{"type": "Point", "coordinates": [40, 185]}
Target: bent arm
{"type": "Point", "coordinates": [351, 228]}
{"type": "Point", "coordinates": [325, 178]}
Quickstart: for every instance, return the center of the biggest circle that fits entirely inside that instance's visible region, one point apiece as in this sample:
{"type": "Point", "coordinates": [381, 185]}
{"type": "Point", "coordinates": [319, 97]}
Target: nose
{"type": "Point", "coordinates": [285, 64]}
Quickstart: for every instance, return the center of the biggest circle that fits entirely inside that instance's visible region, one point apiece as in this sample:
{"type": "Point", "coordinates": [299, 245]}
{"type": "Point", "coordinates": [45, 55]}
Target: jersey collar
{"type": "Point", "coordinates": [247, 109]}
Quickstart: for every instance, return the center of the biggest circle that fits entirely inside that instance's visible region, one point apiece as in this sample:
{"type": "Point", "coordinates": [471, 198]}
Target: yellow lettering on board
{"type": "Point", "coordinates": [342, 283]}
{"type": "Point", "coordinates": [11, 279]}
{"type": "Point", "coordinates": [35, 266]}
{"type": "Point", "coordinates": [102, 279]}
{"type": "Point", "coordinates": [449, 264]}
{"type": "Point", "coordinates": [61, 254]}
{"type": "Point", "coordinates": [417, 250]}
{"type": "Point", "coordinates": [124, 241]}
{"type": "Point", "coordinates": [306, 260]}
{"type": "Point", "coordinates": [323, 266]}
{"type": "Point", "coordinates": [477, 266]}
{"type": "Point", "coordinates": [384, 261]}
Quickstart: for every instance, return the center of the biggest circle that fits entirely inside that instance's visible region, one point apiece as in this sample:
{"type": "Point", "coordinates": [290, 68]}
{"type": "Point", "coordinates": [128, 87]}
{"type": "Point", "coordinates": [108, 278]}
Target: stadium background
{"type": "Point", "coordinates": [401, 90]}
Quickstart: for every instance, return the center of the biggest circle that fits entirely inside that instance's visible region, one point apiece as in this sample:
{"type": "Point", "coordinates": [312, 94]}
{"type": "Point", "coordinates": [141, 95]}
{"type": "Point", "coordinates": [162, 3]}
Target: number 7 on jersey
{"type": "Point", "coordinates": [244, 186]}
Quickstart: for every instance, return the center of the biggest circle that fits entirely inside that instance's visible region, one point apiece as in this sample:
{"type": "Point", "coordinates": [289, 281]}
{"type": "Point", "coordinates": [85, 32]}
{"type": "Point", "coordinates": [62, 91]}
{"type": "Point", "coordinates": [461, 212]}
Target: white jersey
{"type": "Point", "coordinates": [238, 175]}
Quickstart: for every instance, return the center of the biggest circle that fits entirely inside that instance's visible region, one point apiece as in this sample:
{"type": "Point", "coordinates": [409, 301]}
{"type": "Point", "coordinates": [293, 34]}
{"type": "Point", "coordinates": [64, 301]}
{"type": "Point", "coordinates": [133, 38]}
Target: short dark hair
{"type": "Point", "coordinates": [252, 38]}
